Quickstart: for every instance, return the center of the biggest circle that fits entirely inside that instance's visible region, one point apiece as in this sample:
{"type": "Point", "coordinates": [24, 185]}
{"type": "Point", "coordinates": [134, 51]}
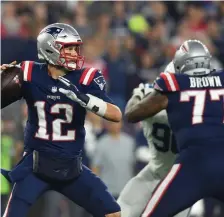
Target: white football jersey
{"type": "Point", "coordinates": [162, 145]}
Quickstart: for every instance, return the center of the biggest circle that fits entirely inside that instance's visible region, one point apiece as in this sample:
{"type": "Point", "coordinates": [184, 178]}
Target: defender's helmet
{"type": "Point", "coordinates": [192, 58]}
{"type": "Point", "coordinates": [52, 39]}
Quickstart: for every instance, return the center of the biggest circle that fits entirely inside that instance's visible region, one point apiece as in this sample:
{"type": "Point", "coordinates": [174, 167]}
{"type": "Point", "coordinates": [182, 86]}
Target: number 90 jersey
{"type": "Point", "coordinates": [55, 123]}
{"type": "Point", "coordinates": [161, 141]}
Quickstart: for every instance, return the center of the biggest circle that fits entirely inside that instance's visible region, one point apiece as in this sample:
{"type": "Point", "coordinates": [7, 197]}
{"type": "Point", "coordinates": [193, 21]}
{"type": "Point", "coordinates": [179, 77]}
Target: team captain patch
{"type": "Point", "coordinates": [100, 82]}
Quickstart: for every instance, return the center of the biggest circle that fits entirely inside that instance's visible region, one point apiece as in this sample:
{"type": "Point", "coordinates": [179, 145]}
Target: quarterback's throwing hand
{"type": "Point", "coordinates": [5, 66]}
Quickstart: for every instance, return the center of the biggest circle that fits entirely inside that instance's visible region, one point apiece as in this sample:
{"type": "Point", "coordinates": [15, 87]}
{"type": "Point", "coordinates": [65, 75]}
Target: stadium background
{"type": "Point", "coordinates": [131, 42]}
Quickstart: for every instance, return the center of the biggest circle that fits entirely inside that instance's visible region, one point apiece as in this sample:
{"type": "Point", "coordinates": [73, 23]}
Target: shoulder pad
{"type": "Point", "coordinates": [27, 67]}
{"type": "Point", "coordinates": [87, 76]}
{"type": "Point", "coordinates": [167, 82]}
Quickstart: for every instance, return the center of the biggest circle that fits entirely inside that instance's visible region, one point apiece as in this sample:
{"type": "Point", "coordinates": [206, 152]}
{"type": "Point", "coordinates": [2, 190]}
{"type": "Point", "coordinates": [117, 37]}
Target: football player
{"type": "Point", "coordinates": [193, 99]}
{"type": "Point", "coordinates": [162, 149]}
{"type": "Point", "coordinates": [54, 133]}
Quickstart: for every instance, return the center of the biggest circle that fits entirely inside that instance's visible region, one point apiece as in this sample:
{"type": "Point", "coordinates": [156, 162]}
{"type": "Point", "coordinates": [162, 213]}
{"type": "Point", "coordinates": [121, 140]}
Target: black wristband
{"type": "Point", "coordinates": [84, 98]}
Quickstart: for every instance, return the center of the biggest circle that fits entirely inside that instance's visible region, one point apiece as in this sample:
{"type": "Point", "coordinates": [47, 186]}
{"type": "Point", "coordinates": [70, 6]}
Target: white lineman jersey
{"type": "Point", "coordinates": [162, 144]}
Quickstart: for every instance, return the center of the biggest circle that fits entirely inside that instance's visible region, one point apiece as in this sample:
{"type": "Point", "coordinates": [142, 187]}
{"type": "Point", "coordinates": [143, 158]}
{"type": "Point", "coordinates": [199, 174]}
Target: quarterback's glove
{"type": "Point", "coordinates": [87, 101]}
{"type": "Point", "coordinates": [73, 92]}
{"type": "Point", "coordinates": [142, 90]}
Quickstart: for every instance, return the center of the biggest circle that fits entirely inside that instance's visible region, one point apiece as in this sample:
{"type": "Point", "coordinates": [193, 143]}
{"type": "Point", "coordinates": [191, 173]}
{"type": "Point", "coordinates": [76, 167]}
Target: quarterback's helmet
{"type": "Point", "coordinates": [52, 39]}
{"type": "Point", "coordinates": [192, 58]}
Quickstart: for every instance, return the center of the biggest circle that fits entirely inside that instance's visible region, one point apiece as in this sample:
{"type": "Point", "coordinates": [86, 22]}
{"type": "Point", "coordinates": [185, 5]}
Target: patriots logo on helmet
{"type": "Point", "coordinates": [100, 82]}
{"type": "Point", "coordinates": [54, 31]}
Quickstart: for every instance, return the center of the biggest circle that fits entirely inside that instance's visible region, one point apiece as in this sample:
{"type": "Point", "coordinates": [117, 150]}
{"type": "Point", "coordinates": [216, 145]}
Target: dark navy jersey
{"type": "Point", "coordinates": [55, 123]}
{"type": "Point", "coordinates": [195, 107]}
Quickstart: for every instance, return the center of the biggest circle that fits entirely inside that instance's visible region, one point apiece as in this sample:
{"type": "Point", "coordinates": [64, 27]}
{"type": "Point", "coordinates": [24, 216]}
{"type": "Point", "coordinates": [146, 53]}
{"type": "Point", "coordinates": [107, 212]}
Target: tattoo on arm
{"type": "Point", "coordinates": [148, 107]}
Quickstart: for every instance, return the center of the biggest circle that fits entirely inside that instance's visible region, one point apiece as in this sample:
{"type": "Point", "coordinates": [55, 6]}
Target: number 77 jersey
{"type": "Point", "coordinates": [195, 108]}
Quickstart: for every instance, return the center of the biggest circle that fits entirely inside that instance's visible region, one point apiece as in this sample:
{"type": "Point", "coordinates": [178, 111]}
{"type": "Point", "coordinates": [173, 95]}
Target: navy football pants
{"type": "Point", "coordinates": [197, 174]}
{"type": "Point", "coordinates": [87, 191]}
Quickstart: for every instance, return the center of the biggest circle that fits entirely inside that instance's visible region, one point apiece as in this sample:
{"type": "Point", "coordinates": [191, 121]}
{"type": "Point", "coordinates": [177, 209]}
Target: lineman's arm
{"type": "Point", "coordinates": [148, 107]}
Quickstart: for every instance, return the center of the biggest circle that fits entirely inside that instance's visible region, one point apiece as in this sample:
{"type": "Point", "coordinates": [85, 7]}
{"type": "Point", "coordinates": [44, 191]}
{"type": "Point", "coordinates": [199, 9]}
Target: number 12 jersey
{"type": "Point", "coordinates": [55, 123]}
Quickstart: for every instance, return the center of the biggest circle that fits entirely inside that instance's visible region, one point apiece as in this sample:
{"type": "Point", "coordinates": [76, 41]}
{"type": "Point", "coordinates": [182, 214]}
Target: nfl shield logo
{"type": "Point", "coordinates": [54, 89]}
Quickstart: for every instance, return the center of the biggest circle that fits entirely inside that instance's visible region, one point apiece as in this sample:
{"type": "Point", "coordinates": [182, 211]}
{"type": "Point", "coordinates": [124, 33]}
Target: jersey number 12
{"type": "Point", "coordinates": [56, 124]}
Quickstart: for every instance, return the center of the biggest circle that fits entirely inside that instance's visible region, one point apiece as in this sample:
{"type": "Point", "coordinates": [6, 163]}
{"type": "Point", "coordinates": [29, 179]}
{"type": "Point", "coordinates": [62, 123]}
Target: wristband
{"type": "Point", "coordinates": [96, 105]}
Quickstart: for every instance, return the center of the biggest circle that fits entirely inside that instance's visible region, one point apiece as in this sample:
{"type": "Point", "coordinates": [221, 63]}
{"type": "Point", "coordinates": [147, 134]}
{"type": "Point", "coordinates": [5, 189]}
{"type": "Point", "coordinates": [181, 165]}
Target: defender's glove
{"type": "Point", "coordinates": [142, 90]}
{"type": "Point", "coordinates": [87, 101]}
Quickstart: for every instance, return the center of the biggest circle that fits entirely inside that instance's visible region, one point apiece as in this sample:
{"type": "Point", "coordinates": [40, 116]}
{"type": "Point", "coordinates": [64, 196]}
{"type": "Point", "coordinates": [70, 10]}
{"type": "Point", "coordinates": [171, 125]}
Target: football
{"type": "Point", "coordinates": [11, 82]}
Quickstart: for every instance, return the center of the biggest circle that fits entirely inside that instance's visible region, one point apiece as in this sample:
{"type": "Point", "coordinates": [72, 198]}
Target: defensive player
{"type": "Point", "coordinates": [193, 99]}
{"type": "Point", "coordinates": [162, 149]}
{"type": "Point", "coordinates": [54, 133]}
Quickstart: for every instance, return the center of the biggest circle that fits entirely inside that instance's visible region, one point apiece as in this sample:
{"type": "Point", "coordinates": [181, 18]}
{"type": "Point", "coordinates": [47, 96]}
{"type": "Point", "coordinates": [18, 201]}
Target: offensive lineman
{"type": "Point", "coordinates": [193, 99]}
{"type": "Point", "coordinates": [163, 151]}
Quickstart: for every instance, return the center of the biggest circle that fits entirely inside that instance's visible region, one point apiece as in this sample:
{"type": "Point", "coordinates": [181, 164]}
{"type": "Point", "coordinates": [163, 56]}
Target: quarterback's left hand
{"type": "Point", "coordinates": [90, 102]}
{"type": "Point", "coordinates": [73, 93]}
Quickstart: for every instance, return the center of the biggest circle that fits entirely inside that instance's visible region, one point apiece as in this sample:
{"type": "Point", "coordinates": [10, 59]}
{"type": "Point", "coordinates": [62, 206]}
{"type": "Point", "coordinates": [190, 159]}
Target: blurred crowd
{"type": "Point", "coordinates": [130, 42]}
